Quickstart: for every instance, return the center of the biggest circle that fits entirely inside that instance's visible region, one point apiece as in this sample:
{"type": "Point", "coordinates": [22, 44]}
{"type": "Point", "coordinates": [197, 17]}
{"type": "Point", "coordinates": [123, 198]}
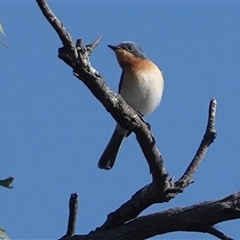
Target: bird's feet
{"type": "Point", "coordinates": [148, 124]}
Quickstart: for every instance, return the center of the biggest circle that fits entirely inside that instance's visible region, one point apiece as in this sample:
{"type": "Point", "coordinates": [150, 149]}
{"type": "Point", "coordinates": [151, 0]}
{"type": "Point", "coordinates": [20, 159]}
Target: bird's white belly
{"type": "Point", "coordinates": [144, 92]}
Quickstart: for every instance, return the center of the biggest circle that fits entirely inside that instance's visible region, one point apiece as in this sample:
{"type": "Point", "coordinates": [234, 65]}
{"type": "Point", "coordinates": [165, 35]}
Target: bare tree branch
{"type": "Point", "coordinates": [213, 231]}
{"type": "Point", "coordinates": [196, 218]}
{"type": "Point", "coordinates": [201, 217]}
{"type": "Point", "coordinates": [155, 192]}
{"type": "Point", "coordinates": [56, 24]}
{"type": "Point", "coordinates": [73, 206]}
{"type": "Point", "coordinates": [77, 57]}
{"type": "Point", "coordinates": [208, 138]}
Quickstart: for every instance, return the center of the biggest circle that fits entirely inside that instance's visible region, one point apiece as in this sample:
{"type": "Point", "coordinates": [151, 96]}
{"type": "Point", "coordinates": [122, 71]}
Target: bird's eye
{"type": "Point", "coordinates": [130, 48]}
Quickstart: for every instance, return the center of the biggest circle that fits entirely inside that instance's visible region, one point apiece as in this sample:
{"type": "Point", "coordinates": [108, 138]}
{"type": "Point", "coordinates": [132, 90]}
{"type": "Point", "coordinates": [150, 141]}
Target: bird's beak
{"type": "Point", "coordinates": [114, 48]}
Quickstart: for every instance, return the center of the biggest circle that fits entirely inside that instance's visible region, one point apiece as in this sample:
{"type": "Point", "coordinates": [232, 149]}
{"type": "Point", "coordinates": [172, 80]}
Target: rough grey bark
{"type": "Point", "coordinates": [124, 222]}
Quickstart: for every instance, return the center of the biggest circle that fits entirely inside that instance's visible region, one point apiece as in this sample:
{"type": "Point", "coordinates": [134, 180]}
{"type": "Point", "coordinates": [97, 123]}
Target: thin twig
{"type": "Point", "coordinates": [208, 138]}
{"type": "Point", "coordinates": [73, 206]}
{"type": "Point", "coordinates": [90, 47]}
{"type": "Point", "coordinates": [56, 24]}
{"type": "Point", "coordinates": [84, 55]}
{"type": "Point", "coordinates": [213, 231]}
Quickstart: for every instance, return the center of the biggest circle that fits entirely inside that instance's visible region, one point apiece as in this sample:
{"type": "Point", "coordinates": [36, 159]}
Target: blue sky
{"type": "Point", "coordinates": [53, 130]}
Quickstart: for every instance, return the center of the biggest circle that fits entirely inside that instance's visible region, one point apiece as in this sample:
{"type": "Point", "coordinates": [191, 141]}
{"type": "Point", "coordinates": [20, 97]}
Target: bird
{"type": "Point", "coordinates": [141, 86]}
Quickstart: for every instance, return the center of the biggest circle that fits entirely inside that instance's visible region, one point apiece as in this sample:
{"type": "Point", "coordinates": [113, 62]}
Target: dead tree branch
{"type": "Point", "coordinates": [77, 57]}
{"type": "Point", "coordinates": [72, 219]}
{"type": "Point", "coordinates": [201, 217]}
{"type": "Point", "coordinates": [208, 138]}
{"type": "Point", "coordinates": [153, 193]}
{"type": "Point", "coordinates": [197, 218]}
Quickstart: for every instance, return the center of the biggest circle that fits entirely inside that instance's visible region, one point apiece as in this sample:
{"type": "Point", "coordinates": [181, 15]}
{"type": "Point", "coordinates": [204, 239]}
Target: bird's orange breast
{"type": "Point", "coordinates": [133, 65]}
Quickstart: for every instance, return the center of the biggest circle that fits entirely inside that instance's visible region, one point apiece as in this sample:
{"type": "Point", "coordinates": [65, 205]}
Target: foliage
{"type": "Point", "coordinates": [3, 33]}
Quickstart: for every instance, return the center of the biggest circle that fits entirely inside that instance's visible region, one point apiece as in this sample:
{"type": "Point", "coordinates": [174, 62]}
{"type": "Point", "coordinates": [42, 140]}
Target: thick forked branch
{"type": "Point", "coordinates": [154, 193]}
{"type": "Point", "coordinates": [161, 189]}
{"type": "Point", "coordinates": [197, 218]}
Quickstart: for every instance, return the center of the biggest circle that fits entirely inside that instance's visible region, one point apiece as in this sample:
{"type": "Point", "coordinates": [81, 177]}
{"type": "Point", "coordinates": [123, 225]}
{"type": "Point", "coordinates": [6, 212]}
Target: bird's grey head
{"type": "Point", "coordinates": [131, 47]}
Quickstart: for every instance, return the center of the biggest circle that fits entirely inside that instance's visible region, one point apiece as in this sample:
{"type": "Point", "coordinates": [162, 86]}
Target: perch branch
{"type": "Point", "coordinates": [77, 57]}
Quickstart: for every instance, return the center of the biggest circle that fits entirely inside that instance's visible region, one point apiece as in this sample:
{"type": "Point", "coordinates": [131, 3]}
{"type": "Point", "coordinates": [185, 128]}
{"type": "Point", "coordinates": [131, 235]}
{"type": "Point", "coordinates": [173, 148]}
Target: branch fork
{"type": "Point", "coordinates": [161, 189]}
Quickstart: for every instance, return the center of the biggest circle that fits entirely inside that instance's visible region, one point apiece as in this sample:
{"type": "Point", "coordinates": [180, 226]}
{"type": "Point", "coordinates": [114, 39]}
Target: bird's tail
{"type": "Point", "coordinates": [109, 155]}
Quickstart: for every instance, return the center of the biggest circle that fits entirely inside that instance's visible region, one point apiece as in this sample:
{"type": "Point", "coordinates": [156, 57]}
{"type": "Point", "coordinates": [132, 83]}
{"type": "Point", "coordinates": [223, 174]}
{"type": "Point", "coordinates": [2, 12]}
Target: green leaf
{"type": "Point", "coordinates": [7, 182]}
